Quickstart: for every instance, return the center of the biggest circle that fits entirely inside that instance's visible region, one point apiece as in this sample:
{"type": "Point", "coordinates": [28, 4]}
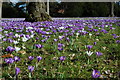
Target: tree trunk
{"type": "Point", "coordinates": [0, 9]}
{"type": "Point", "coordinates": [37, 12]}
{"type": "Point", "coordinates": [112, 9]}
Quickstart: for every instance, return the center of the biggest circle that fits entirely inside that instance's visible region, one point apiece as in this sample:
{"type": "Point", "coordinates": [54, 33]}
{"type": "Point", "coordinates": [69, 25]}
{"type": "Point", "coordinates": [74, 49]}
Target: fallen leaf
{"type": "Point", "coordinates": [7, 55]}
{"type": "Point", "coordinates": [22, 52]}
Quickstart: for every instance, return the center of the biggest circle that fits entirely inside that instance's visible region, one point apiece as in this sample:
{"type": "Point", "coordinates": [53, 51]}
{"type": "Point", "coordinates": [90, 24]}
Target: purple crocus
{"type": "Point", "coordinates": [31, 58]}
{"type": "Point", "coordinates": [10, 40]}
{"type": "Point", "coordinates": [38, 45]}
{"type": "Point", "coordinates": [10, 49]}
{"type": "Point", "coordinates": [89, 47]}
{"type": "Point", "coordinates": [9, 60]}
{"type": "Point", "coordinates": [17, 70]}
{"type": "Point", "coordinates": [30, 68]}
{"type": "Point", "coordinates": [27, 36]}
{"type": "Point", "coordinates": [4, 39]}
{"type": "Point", "coordinates": [37, 38]}
{"type": "Point", "coordinates": [62, 58]}
{"type": "Point", "coordinates": [16, 58]}
{"type": "Point", "coordinates": [67, 39]}
{"type": "Point", "coordinates": [95, 74]}
{"type": "Point", "coordinates": [21, 35]}
{"type": "Point", "coordinates": [60, 48]}
{"type": "Point", "coordinates": [112, 28]}
{"type": "Point", "coordinates": [117, 41]}
{"type": "Point", "coordinates": [44, 40]}
{"type": "Point", "coordinates": [39, 58]}
{"type": "Point", "coordinates": [98, 53]}
{"type": "Point", "coordinates": [60, 45]}
{"type": "Point", "coordinates": [55, 40]}
{"type": "Point", "coordinates": [95, 43]}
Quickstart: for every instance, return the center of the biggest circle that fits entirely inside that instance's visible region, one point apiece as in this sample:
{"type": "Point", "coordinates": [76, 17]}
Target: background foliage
{"type": "Point", "coordinates": [74, 9]}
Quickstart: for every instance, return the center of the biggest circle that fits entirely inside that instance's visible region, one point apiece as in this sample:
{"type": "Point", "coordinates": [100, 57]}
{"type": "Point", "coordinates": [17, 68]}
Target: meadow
{"type": "Point", "coordinates": [62, 48]}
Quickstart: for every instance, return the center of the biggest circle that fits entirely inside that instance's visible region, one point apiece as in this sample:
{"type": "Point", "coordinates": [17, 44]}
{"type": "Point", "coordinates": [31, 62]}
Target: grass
{"type": "Point", "coordinates": [77, 63]}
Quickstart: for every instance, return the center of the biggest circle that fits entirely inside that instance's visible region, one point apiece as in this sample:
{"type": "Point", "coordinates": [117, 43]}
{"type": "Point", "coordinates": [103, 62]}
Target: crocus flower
{"type": "Point", "coordinates": [95, 43]}
{"type": "Point", "coordinates": [89, 47]}
{"type": "Point", "coordinates": [30, 68]}
{"type": "Point", "coordinates": [17, 70]}
{"type": "Point", "coordinates": [37, 38]}
{"type": "Point", "coordinates": [43, 40]}
{"type": "Point", "coordinates": [31, 57]}
{"type": "Point", "coordinates": [60, 45]}
{"type": "Point", "coordinates": [9, 60]}
{"type": "Point", "coordinates": [4, 39]}
{"type": "Point", "coordinates": [17, 35]}
{"type": "Point", "coordinates": [61, 37]}
{"type": "Point", "coordinates": [89, 53]}
{"type": "Point", "coordinates": [17, 49]}
{"type": "Point", "coordinates": [55, 40]}
{"type": "Point", "coordinates": [95, 74]}
{"type": "Point", "coordinates": [117, 41]}
{"type": "Point", "coordinates": [24, 39]}
{"type": "Point", "coordinates": [38, 45]}
{"type": "Point", "coordinates": [27, 36]}
{"type": "Point", "coordinates": [15, 42]}
{"type": "Point", "coordinates": [39, 58]}
{"type": "Point", "coordinates": [10, 49]}
{"type": "Point", "coordinates": [21, 35]}
{"type": "Point", "coordinates": [60, 48]}
{"type": "Point", "coordinates": [112, 28]}
{"type": "Point", "coordinates": [62, 58]}
{"type": "Point", "coordinates": [67, 39]}
{"type": "Point", "coordinates": [16, 58]}
{"type": "Point", "coordinates": [98, 53]}
{"type": "Point", "coordinates": [10, 40]}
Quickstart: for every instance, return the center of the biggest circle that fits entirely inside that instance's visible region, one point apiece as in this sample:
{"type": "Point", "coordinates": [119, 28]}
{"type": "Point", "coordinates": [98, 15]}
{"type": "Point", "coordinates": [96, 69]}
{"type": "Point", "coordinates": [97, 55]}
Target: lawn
{"type": "Point", "coordinates": [62, 48]}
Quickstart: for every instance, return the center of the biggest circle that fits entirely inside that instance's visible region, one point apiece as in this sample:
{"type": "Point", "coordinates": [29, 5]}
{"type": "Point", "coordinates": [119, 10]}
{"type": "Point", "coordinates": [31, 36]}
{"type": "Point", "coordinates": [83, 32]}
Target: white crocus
{"type": "Point", "coordinates": [32, 36]}
{"type": "Point", "coordinates": [61, 27]}
{"type": "Point", "coordinates": [23, 46]}
{"type": "Point", "coordinates": [89, 53]}
{"type": "Point", "coordinates": [90, 35]}
{"type": "Point", "coordinates": [17, 49]}
{"type": "Point", "coordinates": [47, 32]}
{"type": "Point", "coordinates": [60, 37]}
{"type": "Point", "coordinates": [41, 28]}
{"type": "Point", "coordinates": [15, 42]}
{"type": "Point", "coordinates": [1, 36]}
{"type": "Point", "coordinates": [70, 25]}
{"type": "Point", "coordinates": [29, 28]}
{"type": "Point", "coordinates": [106, 25]}
{"type": "Point", "coordinates": [32, 32]}
{"type": "Point", "coordinates": [77, 34]}
{"type": "Point", "coordinates": [17, 35]}
{"type": "Point", "coordinates": [5, 31]}
{"type": "Point", "coordinates": [24, 39]}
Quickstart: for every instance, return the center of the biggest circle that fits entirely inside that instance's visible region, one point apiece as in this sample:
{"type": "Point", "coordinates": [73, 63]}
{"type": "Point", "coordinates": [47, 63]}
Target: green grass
{"type": "Point", "coordinates": [77, 63]}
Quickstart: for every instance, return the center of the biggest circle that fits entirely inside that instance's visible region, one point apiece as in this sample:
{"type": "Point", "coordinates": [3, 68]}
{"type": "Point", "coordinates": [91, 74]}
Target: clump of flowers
{"type": "Point", "coordinates": [9, 60]}
{"type": "Point", "coordinates": [10, 49]}
{"type": "Point", "coordinates": [30, 58]}
{"type": "Point", "coordinates": [62, 58]}
{"type": "Point", "coordinates": [98, 53]}
{"type": "Point", "coordinates": [96, 74]}
{"type": "Point", "coordinates": [38, 45]}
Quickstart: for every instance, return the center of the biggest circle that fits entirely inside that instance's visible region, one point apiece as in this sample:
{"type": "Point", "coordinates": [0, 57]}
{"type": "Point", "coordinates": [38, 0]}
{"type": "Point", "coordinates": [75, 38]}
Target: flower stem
{"type": "Point", "coordinates": [30, 76]}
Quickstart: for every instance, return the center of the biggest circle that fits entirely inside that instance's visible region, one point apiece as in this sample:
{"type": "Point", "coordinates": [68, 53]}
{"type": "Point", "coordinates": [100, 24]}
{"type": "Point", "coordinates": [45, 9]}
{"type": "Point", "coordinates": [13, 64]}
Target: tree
{"type": "Point", "coordinates": [37, 12]}
{"type": "Point", "coordinates": [7, 7]}
{"type": "Point", "coordinates": [0, 9]}
{"type": "Point", "coordinates": [112, 9]}
{"type": "Point", "coordinates": [20, 8]}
